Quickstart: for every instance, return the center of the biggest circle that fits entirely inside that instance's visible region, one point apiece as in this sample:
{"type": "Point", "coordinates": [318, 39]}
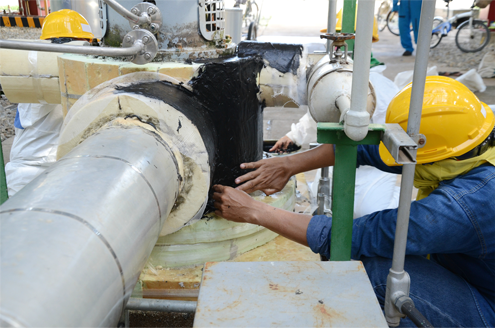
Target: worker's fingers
{"type": "Point", "coordinates": [270, 191]}
{"type": "Point", "coordinates": [279, 144]}
{"type": "Point", "coordinates": [217, 196]}
{"type": "Point", "coordinates": [246, 177]}
{"type": "Point", "coordinates": [249, 187]}
{"type": "Point", "coordinates": [218, 188]}
{"type": "Point", "coordinates": [252, 165]}
{"type": "Point", "coordinates": [219, 213]}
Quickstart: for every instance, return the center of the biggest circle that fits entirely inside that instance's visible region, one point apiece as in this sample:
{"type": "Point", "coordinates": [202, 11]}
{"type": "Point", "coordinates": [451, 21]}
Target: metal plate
{"type": "Point", "coordinates": [287, 294]}
{"type": "Point", "coordinates": [147, 39]}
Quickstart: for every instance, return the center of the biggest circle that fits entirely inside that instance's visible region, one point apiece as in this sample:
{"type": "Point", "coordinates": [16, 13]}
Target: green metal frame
{"type": "Point", "coordinates": [348, 20]}
{"type": "Point", "coordinates": [3, 182]}
{"type": "Point", "coordinates": [344, 181]}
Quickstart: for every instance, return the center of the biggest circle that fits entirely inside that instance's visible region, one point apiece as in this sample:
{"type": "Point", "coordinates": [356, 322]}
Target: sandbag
{"type": "Point", "coordinates": [404, 78]}
{"type": "Point", "coordinates": [487, 65]}
{"type": "Point", "coordinates": [472, 80]}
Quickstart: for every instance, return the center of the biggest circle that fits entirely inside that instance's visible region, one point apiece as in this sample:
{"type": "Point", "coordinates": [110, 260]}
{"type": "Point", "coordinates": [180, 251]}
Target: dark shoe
{"type": "Point", "coordinates": [407, 53]}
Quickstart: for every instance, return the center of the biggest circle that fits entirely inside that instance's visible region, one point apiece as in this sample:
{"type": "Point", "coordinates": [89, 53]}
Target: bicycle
{"type": "Point", "coordinates": [250, 18]}
{"type": "Point", "coordinates": [472, 34]}
{"type": "Point", "coordinates": [382, 13]}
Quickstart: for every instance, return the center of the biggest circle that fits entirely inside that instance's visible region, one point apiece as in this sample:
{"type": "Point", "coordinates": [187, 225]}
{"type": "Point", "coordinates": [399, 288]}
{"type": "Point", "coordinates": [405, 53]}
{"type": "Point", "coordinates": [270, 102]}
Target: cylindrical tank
{"type": "Point", "coordinates": [328, 82]}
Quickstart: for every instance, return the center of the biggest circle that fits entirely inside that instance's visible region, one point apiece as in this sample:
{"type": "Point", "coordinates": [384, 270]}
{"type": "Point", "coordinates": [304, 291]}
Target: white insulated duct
{"type": "Point", "coordinates": [74, 241]}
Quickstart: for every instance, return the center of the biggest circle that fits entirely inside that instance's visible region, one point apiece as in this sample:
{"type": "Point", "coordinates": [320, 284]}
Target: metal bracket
{"type": "Point", "coordinates": [152, 15]}
{"type": "Point", "coordinates": [147, 39]}
{"type": "Point", "coordinates": [398, 284]}
{"type": "Point", "coordinates": [399, 144]}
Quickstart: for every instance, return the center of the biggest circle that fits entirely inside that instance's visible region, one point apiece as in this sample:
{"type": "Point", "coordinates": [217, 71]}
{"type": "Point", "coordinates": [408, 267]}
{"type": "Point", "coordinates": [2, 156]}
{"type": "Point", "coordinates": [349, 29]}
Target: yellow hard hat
{"type": "Point", "coordinates": [453, 120]}
{"type": "Point", "coordinates": [338, 26]}
{"type": "Point", "coordinates": [66, 23]}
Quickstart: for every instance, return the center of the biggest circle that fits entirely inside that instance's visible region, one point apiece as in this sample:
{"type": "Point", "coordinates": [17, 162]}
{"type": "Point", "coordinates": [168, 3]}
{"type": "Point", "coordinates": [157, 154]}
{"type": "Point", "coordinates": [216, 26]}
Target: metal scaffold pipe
{"type": "Point", "coordinates": [398, 281]}
{"type": "Point", "coordinates": [74, 241]}
{"type": "Point", "coordinates": [357, 119]}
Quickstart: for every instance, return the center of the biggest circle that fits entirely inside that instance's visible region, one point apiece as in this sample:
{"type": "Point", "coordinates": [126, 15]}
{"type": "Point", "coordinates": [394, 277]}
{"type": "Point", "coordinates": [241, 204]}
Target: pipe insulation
{"type": "Point", "coordinates": [74, 241]}
{"type": "Point", "coordinates": [357, 119]}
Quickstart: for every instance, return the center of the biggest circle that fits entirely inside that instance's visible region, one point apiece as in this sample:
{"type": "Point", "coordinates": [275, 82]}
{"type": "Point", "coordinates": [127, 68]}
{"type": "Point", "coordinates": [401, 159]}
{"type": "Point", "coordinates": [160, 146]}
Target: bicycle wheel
{"type": "Point", "coordinates": [436, 37]}
{"type": "Point", "coordinates": [393, 22]}
{"type": "Point", "coordinates": [252, 32]}
{"type": "Point", "coordinates": [381, 16]}
{"type": "Point", "coordinates": [472, 40]}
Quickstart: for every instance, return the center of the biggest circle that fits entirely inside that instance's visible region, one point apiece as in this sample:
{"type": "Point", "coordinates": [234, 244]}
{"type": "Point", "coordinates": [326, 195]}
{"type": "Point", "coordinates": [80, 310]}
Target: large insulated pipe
{"type": "Point", "coordinates": [398, 281]}
{"type": "Point", "coordinates": [74, 241]}
{"type": "Point", "coordinates": [357, 119]}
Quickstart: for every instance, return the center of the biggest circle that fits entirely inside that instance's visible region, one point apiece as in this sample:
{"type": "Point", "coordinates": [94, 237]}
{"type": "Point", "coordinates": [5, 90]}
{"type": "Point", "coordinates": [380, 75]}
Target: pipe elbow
{"type": "Point", "coordinates": [356, 124]}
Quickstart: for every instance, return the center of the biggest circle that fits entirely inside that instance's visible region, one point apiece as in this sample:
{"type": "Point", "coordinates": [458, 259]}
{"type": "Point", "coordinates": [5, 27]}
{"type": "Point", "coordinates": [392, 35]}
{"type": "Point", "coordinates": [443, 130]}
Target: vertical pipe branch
{"type": "Point", "coordinates": [357, 118]}
{"type": "Point", "coordinates": [332, 18]}
{"type": "Point", "coordinates": [398, 279]}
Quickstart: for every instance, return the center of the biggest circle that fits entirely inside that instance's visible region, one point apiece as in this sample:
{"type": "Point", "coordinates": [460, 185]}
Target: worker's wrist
{"type": "Point", "coordinates": [258, 213]}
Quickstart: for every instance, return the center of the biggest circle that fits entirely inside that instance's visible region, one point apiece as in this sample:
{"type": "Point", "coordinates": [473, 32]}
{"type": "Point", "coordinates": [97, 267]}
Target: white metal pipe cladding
{"type": "Point", "coordinates": [74, 241]}
{"type": "Point", "coordinates": [357, 118]}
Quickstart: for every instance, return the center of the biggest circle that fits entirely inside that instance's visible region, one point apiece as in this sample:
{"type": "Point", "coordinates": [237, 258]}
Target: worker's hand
{"type": "Point", "coordinates": [282, 144]}
{"type": "Point", "coordinates": [234, 205]}
{"type": "Point", "coordinates": [270, 175]}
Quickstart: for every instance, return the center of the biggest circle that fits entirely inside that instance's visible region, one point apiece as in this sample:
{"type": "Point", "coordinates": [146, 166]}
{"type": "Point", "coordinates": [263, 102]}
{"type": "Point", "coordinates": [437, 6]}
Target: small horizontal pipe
{"type": "Point", "coordinates": [121, 10]}
{"type": "Point", "coordinates": [164, 293]}
{"type": "Point", "coordinates": [144, 304]}
{"type": "Point", "coordinates": [84, 50]}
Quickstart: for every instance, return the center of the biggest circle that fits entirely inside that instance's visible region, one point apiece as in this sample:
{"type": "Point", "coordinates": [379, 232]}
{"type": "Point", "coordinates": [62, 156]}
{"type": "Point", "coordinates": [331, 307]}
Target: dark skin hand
{"type": "Point", "coordinates": [271, 175]}
{"type": "Point", "coordinates": [281, 144]}
{"type": "Point", "coordinates": [235, 205]}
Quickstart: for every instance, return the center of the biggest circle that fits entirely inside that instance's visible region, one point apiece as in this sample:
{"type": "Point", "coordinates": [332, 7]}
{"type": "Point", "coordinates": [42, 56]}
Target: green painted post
{"type": "Point", "coordinates": [3, 182]}
{"type": "Point", "coordinates": [344, 182]}
{"type": "Point", "coordinates": [348, 20]}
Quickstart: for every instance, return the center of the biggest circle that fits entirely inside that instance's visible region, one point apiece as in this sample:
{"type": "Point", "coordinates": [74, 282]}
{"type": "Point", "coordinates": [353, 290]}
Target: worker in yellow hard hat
{"type": "Point", "coordinates": [37, 126]}
{"type": "Point", "coordinates": [453, 218]}
{"type": "Point", "coordinates": [67, 25]}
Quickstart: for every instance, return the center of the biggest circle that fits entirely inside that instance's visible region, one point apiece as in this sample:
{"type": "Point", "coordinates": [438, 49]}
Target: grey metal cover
{"type": "Point", "coordinates": [287, 294]}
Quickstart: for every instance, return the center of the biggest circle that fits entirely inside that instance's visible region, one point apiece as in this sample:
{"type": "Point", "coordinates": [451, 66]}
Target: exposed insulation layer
{"type": "Point", "coordinates": [79, 73]}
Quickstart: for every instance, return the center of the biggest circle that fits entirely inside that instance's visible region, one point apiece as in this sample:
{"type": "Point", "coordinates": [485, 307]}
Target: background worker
{"type": "Point", "coordinates": [37, 126]}
{"type": "Point", "coordinates": [409, 13]}
{"type": "Point", "coordinates": [452, 218]}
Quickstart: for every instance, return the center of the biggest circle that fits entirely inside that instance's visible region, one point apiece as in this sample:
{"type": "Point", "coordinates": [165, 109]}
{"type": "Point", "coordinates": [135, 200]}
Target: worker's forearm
{"type": "Point", "coordinates": [321, 156]}
{"type": "Point", "coordinates": [288, 224]}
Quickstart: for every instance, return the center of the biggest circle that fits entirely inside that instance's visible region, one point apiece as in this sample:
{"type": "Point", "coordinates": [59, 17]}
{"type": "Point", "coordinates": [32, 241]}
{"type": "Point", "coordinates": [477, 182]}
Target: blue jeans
{"type": "Point", "coordinates": [444, 298]}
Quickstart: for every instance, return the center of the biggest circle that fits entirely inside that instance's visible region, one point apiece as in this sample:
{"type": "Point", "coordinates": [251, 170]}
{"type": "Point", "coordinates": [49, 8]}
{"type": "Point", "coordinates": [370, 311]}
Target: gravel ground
{"type": "Point", "coordinates": [20, 33]}
{"type": "Point", "coordinates": [447, 53]}
{"type": "Point", "coordinates": [7, 110]}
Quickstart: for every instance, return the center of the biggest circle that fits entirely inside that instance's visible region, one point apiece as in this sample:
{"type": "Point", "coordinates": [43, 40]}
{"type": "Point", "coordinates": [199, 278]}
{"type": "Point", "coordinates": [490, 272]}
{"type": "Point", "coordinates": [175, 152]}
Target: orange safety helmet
{"type": "Point", "coordinates": [66, 23]}
{"type": "Point", "coordinates": [453, 120]}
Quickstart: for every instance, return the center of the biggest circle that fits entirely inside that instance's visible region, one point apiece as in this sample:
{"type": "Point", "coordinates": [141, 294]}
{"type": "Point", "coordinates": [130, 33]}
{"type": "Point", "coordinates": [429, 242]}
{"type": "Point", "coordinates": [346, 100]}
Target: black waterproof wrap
{"type": "Point", "coordinates": [224, 106]}
{"type": "Point", "coordinates": [281, 56]}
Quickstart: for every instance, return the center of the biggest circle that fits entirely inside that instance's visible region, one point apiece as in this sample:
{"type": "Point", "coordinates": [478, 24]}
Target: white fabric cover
{"type": "Point", "coordinates": [35, 146]}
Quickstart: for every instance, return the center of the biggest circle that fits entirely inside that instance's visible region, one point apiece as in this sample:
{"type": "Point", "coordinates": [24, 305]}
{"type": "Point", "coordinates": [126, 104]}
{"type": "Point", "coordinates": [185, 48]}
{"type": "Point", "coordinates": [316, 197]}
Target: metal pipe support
{"type": "Point", "coordinates": [83, 50]}
{"type": "Point", "coordinates": [74, 241]}
{"type": "Point", "coordinates": [357, 119]}
{"type": "Point", "coordinates": [146, 304]}
{"type": "Point", "coordinates": [140, 44]}
{"type": "Point", "coordinates": [395, 288]}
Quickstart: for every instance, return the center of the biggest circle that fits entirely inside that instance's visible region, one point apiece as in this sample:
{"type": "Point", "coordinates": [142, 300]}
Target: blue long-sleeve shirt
{"type": "Point", "coordinates": [455, 224]}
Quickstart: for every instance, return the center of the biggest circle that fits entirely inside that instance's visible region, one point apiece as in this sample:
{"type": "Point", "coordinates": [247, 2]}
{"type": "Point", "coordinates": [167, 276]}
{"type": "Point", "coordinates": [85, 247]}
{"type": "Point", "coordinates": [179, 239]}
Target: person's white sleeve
{"type": "Point", "coordinates": [385, 90]}
{"type": "Point", "coordinates": [35, 147]}
{"type": "Point", "coordinates": [304, 131]}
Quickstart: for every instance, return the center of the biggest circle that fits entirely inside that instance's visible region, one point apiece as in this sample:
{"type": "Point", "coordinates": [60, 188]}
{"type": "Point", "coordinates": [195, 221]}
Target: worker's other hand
{"type": "Point", "coordinates": [234, 205]}
{"type": "Point", "coordinates": [282, 144]}
{"type": "Point", "coordinates": [270, 175]}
